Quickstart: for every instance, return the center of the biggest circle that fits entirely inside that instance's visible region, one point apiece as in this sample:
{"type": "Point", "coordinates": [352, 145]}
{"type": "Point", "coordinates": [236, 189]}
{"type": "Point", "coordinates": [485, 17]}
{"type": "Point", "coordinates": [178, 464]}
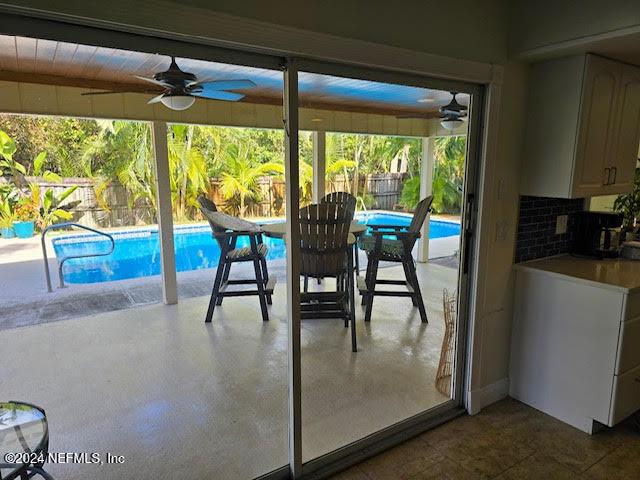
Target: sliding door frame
{"type": "Point", "coordinates": [62, 29]}
{"type": "Point", "coordinates": [393, 434]}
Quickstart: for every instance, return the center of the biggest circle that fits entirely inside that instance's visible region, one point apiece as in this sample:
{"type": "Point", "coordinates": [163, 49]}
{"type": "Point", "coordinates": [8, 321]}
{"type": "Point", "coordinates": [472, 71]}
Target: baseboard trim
{"type": "Point", "coordinates": [485, 396]}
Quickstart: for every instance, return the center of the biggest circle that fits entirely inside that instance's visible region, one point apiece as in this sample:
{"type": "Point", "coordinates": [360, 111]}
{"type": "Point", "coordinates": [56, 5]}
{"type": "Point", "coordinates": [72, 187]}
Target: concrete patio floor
{"type": "Point", "coordinates": [179, 398]}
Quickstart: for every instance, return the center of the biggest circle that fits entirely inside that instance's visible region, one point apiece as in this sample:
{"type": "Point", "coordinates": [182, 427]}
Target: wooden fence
{"type": "Point", "coordinates": [383, 190]}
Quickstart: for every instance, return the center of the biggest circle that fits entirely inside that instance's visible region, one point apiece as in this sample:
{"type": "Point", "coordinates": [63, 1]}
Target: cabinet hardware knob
{"type": "Point", "coordinates": [607, 176]}
{"type": "Point", "coordinates": [614, 170]}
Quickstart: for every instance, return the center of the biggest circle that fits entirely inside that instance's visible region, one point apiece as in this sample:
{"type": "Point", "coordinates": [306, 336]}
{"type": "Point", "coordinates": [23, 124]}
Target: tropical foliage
{"type": "Point", "coordinates": [448, 177]}
{"type": "Point", "coordinates": [121, 152]}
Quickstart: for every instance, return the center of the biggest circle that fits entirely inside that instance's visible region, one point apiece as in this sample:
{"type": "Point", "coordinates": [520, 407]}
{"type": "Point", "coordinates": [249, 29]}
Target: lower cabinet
{"type": "Point", "coordinates": [575, 349]}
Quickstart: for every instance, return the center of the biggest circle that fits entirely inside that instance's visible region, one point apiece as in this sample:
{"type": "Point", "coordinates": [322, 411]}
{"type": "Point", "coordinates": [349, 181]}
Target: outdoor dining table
{"type": "Point", "coordinates": [24, 441]}
{"type": "Point", "coordinates": [357, 229]}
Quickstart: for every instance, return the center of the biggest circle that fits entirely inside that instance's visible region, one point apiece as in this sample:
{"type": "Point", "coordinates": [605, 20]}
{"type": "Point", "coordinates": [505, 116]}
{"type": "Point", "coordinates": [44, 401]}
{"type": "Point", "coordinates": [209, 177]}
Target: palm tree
{"type": "Point", "coordinates": [187, 168]}
{"type": "Point", "coordinates": [448, 174]}
{"type": "Point", "coordinates": [240, 178]}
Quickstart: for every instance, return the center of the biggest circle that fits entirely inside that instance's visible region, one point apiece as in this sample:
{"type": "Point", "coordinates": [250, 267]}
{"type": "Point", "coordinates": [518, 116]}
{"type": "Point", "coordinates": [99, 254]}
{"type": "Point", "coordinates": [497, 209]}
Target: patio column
{"type": "Point", "coordinates": [165, 215]}
{"type": "Point", "coordinates": [426, 189]}
{"type": "Point", "coordinates": [319, 165]}
{"type": "Point", "coordinates": [292, 209]}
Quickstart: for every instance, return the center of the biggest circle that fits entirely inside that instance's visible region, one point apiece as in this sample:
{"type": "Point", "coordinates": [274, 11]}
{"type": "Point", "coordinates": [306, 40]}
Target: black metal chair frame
{"type": "Point", "coordinates": [315, 258]}
{"type": "Point", "coordinates": [227, 239]}
{"type": "Point", "coordinates": [408, 235]}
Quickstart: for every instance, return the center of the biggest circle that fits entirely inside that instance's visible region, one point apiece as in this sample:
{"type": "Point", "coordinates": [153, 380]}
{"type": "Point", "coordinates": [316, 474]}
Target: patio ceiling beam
{"type": "Point", "coordinates": [319, 165]}
{"type": "Point", "coordinates": [426, 189]}
{"type": "Point", "coordinates": [165, 213]}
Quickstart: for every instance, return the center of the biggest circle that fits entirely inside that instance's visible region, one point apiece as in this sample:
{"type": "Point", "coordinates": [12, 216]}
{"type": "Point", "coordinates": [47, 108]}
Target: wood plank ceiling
{"type": "Point", "coordinates": [50, 62]}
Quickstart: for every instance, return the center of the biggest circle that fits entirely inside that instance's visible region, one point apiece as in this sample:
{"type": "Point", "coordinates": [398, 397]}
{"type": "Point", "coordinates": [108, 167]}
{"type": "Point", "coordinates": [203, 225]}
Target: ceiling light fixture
{"type": "Point", "coordinates": [178, 102]}
{"type": "Point", "coordinates": [451, 122]}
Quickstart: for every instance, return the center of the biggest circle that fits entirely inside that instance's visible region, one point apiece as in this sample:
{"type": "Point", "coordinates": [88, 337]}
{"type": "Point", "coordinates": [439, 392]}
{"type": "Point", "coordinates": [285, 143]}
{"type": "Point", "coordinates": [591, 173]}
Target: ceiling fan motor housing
{"type": "Point", "coordinates": [174, 76]}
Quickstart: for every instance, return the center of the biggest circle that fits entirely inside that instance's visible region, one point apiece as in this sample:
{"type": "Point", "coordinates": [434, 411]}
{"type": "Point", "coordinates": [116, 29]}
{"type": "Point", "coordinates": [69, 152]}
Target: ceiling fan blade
{"type": "Point", "coordinates": [208, 85]}
{"type": "Point", "coordinates": [109, 92]}
{"type": "Point", "coordinates": [156, 99]}
{"type": "Point", "coordinates": [154, 81]}
{"type": "Point", "coordinates": [100, 93]}
{"type": "Point", "coordinates": [218, 95]}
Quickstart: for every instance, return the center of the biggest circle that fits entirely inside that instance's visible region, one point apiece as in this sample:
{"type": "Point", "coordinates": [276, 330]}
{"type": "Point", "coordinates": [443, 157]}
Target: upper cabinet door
{"type": "Point", "coordinates": [594, 144]}
{"type": "Point", "coordinates": [627, 132]}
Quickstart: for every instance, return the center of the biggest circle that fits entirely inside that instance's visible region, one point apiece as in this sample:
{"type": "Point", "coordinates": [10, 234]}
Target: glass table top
{"type": "Point", "coordinates": [23, 428]}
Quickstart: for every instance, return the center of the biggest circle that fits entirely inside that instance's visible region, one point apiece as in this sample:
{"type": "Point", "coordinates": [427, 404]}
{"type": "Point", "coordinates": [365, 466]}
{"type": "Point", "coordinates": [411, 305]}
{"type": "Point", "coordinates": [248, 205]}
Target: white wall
{"type": "Point", "coordinates": [545, 23]}
{"type": "Point", "coordinates": [423, 25]}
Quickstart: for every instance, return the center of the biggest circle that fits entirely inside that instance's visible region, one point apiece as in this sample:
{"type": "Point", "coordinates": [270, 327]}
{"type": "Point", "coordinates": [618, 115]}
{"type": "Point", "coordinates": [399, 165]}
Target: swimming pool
{"type": "Point", "coordinates": [137, 252]}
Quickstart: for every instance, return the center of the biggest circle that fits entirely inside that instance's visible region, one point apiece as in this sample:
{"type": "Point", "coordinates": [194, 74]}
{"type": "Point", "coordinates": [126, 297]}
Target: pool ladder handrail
{"type": "Point", "coordinates": [64, 259]}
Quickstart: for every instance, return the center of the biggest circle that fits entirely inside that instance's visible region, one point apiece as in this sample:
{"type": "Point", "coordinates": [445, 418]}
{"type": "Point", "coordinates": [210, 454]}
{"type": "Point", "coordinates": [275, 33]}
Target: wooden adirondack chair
{"type": "Point", "coordinates": [226, 230]}
{"type": "Point", "coordinates": [379, 247]}
{"type": "Point", "coordinates": [326, 252]}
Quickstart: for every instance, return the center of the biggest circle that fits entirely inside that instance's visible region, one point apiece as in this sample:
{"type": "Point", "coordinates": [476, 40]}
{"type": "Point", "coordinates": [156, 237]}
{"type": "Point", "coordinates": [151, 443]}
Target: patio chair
{"type": "Point", "coordinates": [226, 230]}
{"type": "Point", "coordinates": [380, 247]}
{"type": "Point", "coordinates": [326, 252]}
{"type": "Point", "coordinates": [348, 202]}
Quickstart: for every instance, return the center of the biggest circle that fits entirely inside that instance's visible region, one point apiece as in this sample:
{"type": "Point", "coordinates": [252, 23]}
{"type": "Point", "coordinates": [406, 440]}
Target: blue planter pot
{"type": "Point", "coordinates": [6, 232]}
{"type": "Point", "coordinates": [24, 229]}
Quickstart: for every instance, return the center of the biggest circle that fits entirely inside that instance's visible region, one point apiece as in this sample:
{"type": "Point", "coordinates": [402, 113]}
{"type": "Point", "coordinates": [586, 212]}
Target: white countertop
{"type": "Point", "coordinates": [617, 274]}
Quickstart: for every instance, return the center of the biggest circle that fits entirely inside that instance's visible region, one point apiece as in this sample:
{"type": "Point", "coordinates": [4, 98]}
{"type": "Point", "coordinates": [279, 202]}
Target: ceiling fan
{"type": "Point", "coordinates": [182, 88]}
{"type": "Point", "coordinates": [451, 115]}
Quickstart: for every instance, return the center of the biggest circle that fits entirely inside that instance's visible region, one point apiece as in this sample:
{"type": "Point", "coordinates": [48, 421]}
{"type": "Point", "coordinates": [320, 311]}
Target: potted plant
{"type": "Point", "coordinates": [629, 206]}
{"type": "Point", "coordinates": [7, 215]}
{"type": "Point", "coordinates": [26, 214]}
{"type": "Point", "coordinates": [6, 227]}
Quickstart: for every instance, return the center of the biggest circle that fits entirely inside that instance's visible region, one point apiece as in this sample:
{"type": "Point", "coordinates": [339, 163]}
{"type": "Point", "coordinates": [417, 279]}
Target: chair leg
{"type": "Point", "coordinates": [216, 288]}
{"type": "Point", "coordinates": [225, 277]}
{"type": "Point", "coordinates": [356, 257]}
{"type": "Point", "coordinates": [367, 276]}
{"type": "Point", "coordinates": [409, 279]}
{"type": "Point", "coordinates": [352, 305]}
{"type": "Point", "coordinates": [371, 286]}
{"type": "Point", "coordinates": [261, 293]}
{"type": "Point", "coordinates": [305, 288]}
{"type": "Point", "coordinates": [416, 289]}
{"type": "Point", "coordinates": [265, 278]}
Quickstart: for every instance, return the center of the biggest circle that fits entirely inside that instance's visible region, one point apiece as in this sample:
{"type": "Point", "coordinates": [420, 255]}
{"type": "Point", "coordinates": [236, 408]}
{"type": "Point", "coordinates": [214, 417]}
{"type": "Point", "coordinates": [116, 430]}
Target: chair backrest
{"type": "Point", "coordinates": [324, 234]}
{"type": "Point", "coordinates": [207, 207]}
{"type": "Point", "coordinates": [342, 199]}
{"type": "Point", "coordinates": [420, 214]}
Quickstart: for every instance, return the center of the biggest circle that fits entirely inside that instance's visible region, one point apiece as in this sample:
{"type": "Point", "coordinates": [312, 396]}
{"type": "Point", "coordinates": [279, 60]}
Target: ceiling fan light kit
{"type": "Point", "coordinates": [451, 123]}
{"type": "Point", "coordinates": [452, 115]}
{"type": "Point", "coordinates": [177, 102]}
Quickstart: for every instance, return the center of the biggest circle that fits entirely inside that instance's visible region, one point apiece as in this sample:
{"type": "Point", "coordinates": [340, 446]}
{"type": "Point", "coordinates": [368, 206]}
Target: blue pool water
{"type": "Point", "coordinates": [137, 252]}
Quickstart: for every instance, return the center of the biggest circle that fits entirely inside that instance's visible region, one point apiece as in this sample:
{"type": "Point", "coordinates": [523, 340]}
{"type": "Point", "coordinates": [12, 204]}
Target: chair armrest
{"type": "Point", "coordinates": [388, 227]}
{"type": "Point", "coordinates": [236, 233]}
{"type": "Point", "coordinates": [396, 234]}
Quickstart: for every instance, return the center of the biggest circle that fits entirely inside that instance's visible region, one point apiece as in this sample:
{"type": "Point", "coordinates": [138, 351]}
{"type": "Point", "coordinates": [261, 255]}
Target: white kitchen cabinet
{"type": "Point", "coordinates": [575, 351]}
{"type": "Point", "coordinates": [583, 128]}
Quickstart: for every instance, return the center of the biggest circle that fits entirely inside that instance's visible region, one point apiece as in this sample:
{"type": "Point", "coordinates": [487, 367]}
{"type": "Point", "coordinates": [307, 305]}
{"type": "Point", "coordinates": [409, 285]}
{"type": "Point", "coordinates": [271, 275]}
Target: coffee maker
{"type": "Point", "coordinates": [597, 234]}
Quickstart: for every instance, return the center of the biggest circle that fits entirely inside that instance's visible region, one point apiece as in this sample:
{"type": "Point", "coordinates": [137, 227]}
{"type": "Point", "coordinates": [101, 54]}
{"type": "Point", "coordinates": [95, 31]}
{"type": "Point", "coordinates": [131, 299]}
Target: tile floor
{"type": "Point", "coordinates": [508, 440]}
